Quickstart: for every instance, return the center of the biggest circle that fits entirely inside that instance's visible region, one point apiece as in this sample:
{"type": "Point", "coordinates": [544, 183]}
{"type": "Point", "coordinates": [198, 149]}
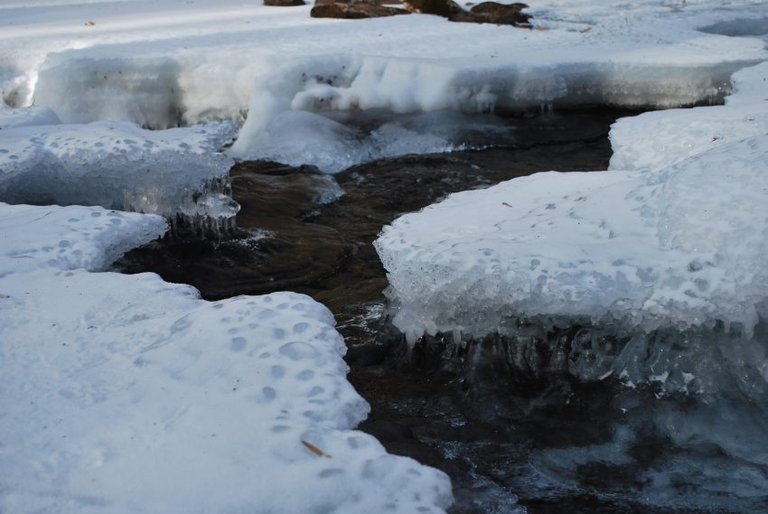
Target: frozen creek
{"type": "Point", "coordinates": [632, 367]}
{"type": "Point", "coordinates": [504, 428]}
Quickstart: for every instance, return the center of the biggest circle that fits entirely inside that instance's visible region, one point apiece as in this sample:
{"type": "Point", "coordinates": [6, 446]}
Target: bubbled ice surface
{"type": "Point", "coordinates": [116, 165]}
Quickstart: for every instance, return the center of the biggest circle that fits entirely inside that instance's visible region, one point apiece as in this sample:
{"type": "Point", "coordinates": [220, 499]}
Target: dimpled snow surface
{"type": "Point", "coordinates": [676, 246]}
{"type": "Point", "coordinates": [129, 394]}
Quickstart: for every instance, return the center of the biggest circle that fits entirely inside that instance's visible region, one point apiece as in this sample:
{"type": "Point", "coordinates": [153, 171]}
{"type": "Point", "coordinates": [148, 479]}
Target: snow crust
{"type": "Point", "coordinates": [680, 244]}
{"type": "Point", "coordinates": [228, 60]}
{"type": "Point", "coordinates": [125, 393]}
{"type": "Point", "coordinates": [656, 139]}
{"type": "Point", "coordinates": [116, 165]}
{"type": "Point", "coordinates": [68, 238]}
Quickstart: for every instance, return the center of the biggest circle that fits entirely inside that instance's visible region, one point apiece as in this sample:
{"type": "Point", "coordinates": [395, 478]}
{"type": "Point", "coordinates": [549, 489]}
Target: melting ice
{"type": "Point", "coordinates": [118, 165]}
{"type": "Point", "coordinates": [652, 278]}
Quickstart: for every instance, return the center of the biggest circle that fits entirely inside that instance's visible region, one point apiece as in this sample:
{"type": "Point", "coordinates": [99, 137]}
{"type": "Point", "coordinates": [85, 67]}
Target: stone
{"type": "Point", "coordinates": [356, 10]}
{"type": "Point", "coordinates": [444, 8]}
{"type": "Point", "coordinates": [496, 13]}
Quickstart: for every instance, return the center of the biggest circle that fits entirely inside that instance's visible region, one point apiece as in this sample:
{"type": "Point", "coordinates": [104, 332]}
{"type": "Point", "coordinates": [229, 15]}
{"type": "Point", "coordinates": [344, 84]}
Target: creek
{"type": "Point", "coordinates": [297, 232]}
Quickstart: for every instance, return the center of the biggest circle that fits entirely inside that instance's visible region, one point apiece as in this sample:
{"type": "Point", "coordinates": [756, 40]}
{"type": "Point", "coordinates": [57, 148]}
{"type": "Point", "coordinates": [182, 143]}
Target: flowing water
{"type": "Point", "coordinates": [549, 442]}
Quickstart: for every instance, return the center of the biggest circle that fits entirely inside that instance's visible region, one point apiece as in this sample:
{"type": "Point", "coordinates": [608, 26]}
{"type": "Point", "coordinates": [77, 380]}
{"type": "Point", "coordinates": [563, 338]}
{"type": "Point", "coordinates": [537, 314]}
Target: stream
{"type": "Point", "coordinates": [298, 232]}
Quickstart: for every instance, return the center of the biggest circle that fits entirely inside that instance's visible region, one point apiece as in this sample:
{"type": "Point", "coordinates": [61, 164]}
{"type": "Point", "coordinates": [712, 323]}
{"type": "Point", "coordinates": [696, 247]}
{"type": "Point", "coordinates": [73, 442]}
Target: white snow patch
{"type": "Point", "coordinates": [23, 117]}
{"type": "Point", "coordinates": [656, 139]}
{"type": "Point", "coordinates": [682, 245]}
{"type": "Point", "coordinates": [125, 393]}
{"type": "Point", "coordinates": [228, 60]}
{"type": "Point", "coordinates": [68, 238]}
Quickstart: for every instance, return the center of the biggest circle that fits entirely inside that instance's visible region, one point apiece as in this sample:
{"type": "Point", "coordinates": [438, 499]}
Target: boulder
{"type": "Point", "coordinates": [494, 12]}
{"type": "Point", "coordinates": [353, 10]}
{"type": "Point", "coordinates": [444, 8]}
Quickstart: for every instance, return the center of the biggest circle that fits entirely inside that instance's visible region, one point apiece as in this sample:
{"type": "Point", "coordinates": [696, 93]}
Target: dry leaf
{"type": "Point", "coordinates": [89, 23]}
{"type": "Point", "coordinates": [584, 31]}
{"type": "Point", "coordinates": [314, 449]}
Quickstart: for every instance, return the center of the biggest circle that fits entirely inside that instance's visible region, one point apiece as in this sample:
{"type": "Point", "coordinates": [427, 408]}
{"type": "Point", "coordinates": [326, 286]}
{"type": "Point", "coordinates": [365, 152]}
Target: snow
{"type": "Point", "coordinates": [655, 139]}
{"type": "Point", "coordinates": [188, 63]}
{"type": "Point", "coordinates": [125, 393]}
{"type": "Point", "coordinates": [22, 117]}
{"type": "Point", "coordinates": [116, 165]}
{"type": "Point", "coordinates": [678, 242]}
{"type": "Point", "coordinates": [65, 238]}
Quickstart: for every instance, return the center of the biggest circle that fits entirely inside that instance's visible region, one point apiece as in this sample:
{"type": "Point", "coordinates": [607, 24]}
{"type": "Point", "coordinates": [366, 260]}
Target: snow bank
{"type": "Point", "coordinates": [274, 130]}
{"type": "Point", "coordinates": [678, 244]}
{"type": "Point", "coordinates": [125, 393]}
{"type": "Point", "coordinates": [67, 238]}
{"type": "Point", "coordinates": [117, 165]}
{"type": "Point", "coordinates": [682, 246]}
{"type": "Point", "coordinates": [233, 61]}
{"type": "Point", "coordinates": [656, 139]}
{"type": "Point", "coordinates": [23, 117]}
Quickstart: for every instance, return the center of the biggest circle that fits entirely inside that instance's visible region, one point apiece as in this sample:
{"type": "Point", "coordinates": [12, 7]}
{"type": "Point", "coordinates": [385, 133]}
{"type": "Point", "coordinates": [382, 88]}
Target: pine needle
{"type": "Point", "coordinates": [314, 449]}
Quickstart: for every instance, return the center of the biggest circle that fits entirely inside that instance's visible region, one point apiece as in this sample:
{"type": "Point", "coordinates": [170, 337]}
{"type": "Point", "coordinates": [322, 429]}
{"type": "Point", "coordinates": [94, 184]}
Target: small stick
{"type": "Point", "coordinates": [314, 449]}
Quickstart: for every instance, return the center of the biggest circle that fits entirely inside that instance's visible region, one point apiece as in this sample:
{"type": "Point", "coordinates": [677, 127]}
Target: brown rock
{"type": "Point", "coordinates": [493, 12]}
{"type": "Point", "coordinates": [283, 3]}
{"type": "Point", "coordinates": [356, 10]}
{"type": "Point", "coordinates": [445, 8]}
{"type": "Point", "coordinates": [497, 8]}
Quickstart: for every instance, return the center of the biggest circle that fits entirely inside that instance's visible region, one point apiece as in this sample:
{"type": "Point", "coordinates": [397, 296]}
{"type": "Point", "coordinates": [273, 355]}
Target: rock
{"type": "Point", "coordinates": [445, 8]}
{"type": "Point", "coordinates": [283, 3]}
{"type": "Point", "coordinates": [356, 10]}
{"type": "Point", "coordinates": [493, 12]}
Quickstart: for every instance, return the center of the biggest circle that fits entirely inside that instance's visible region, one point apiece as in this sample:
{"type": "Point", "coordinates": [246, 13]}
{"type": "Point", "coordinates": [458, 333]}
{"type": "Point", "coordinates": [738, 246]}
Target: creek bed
{"type": "Point", "coordinates": [296, 233]}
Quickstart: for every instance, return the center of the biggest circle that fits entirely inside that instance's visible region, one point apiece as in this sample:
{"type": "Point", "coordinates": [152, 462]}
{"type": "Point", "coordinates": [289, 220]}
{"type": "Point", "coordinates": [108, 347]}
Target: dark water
{"type": "Point", "coordinates": [482, 429]}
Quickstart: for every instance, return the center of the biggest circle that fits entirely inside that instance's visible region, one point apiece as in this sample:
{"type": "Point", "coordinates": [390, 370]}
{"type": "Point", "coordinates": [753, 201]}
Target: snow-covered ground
{"type": "Point", "coordinates": [127, 394]}
{"type": "Point", "coordinates": [161, 63]}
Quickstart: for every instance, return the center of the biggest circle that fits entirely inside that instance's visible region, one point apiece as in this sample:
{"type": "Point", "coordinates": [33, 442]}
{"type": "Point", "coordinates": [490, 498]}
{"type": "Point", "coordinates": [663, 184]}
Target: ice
{"type": "Point", "coordinates": [125, 393]}
{"type": "Point", "coordinates": [648, 248]}
{"type": "Point", "coordinates": [677, 245]}
{"type": "Point", "coordinates": [119, 165]}
{"type": "Point", "coordinates": [22, 117]}
{"type": "Point", "coordinates": [68, 238]}
{"type": "Point", "coordinates": [648, 284]}
{"type": "Point", "coordinates": [300, 137]}
{"type": "Point", "coordinates": [655, 139]}
{"type": "Point", "coordinates": [282, 110]}
{"type": "Point", "coordinates": [231, 61]}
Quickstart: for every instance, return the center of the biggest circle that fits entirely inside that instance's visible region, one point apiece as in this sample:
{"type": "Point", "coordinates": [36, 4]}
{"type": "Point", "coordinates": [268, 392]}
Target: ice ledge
{"type": "Point", "coordinates": [671, 245]}
{"type": "Point", "coordinates": [125, 393]}
{"type": "Point", "coordinates": [177, 173]}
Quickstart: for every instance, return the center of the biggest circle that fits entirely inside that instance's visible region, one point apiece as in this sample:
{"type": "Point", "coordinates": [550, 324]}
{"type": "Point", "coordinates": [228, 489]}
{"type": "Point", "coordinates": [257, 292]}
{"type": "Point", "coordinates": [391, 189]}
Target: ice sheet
{"type": "Point", "coordinates": [679, 244]}
{"type": "Point", "coordinates": [656, 139]}
{"type": "Point", "coordinates": [119, 165]}
{"type": "Point", "coordinates": [233, 61]}
{"type": "Point", "coordinates": [127, 394]}
{"type": "Point", "coordinates": [67, 238]}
